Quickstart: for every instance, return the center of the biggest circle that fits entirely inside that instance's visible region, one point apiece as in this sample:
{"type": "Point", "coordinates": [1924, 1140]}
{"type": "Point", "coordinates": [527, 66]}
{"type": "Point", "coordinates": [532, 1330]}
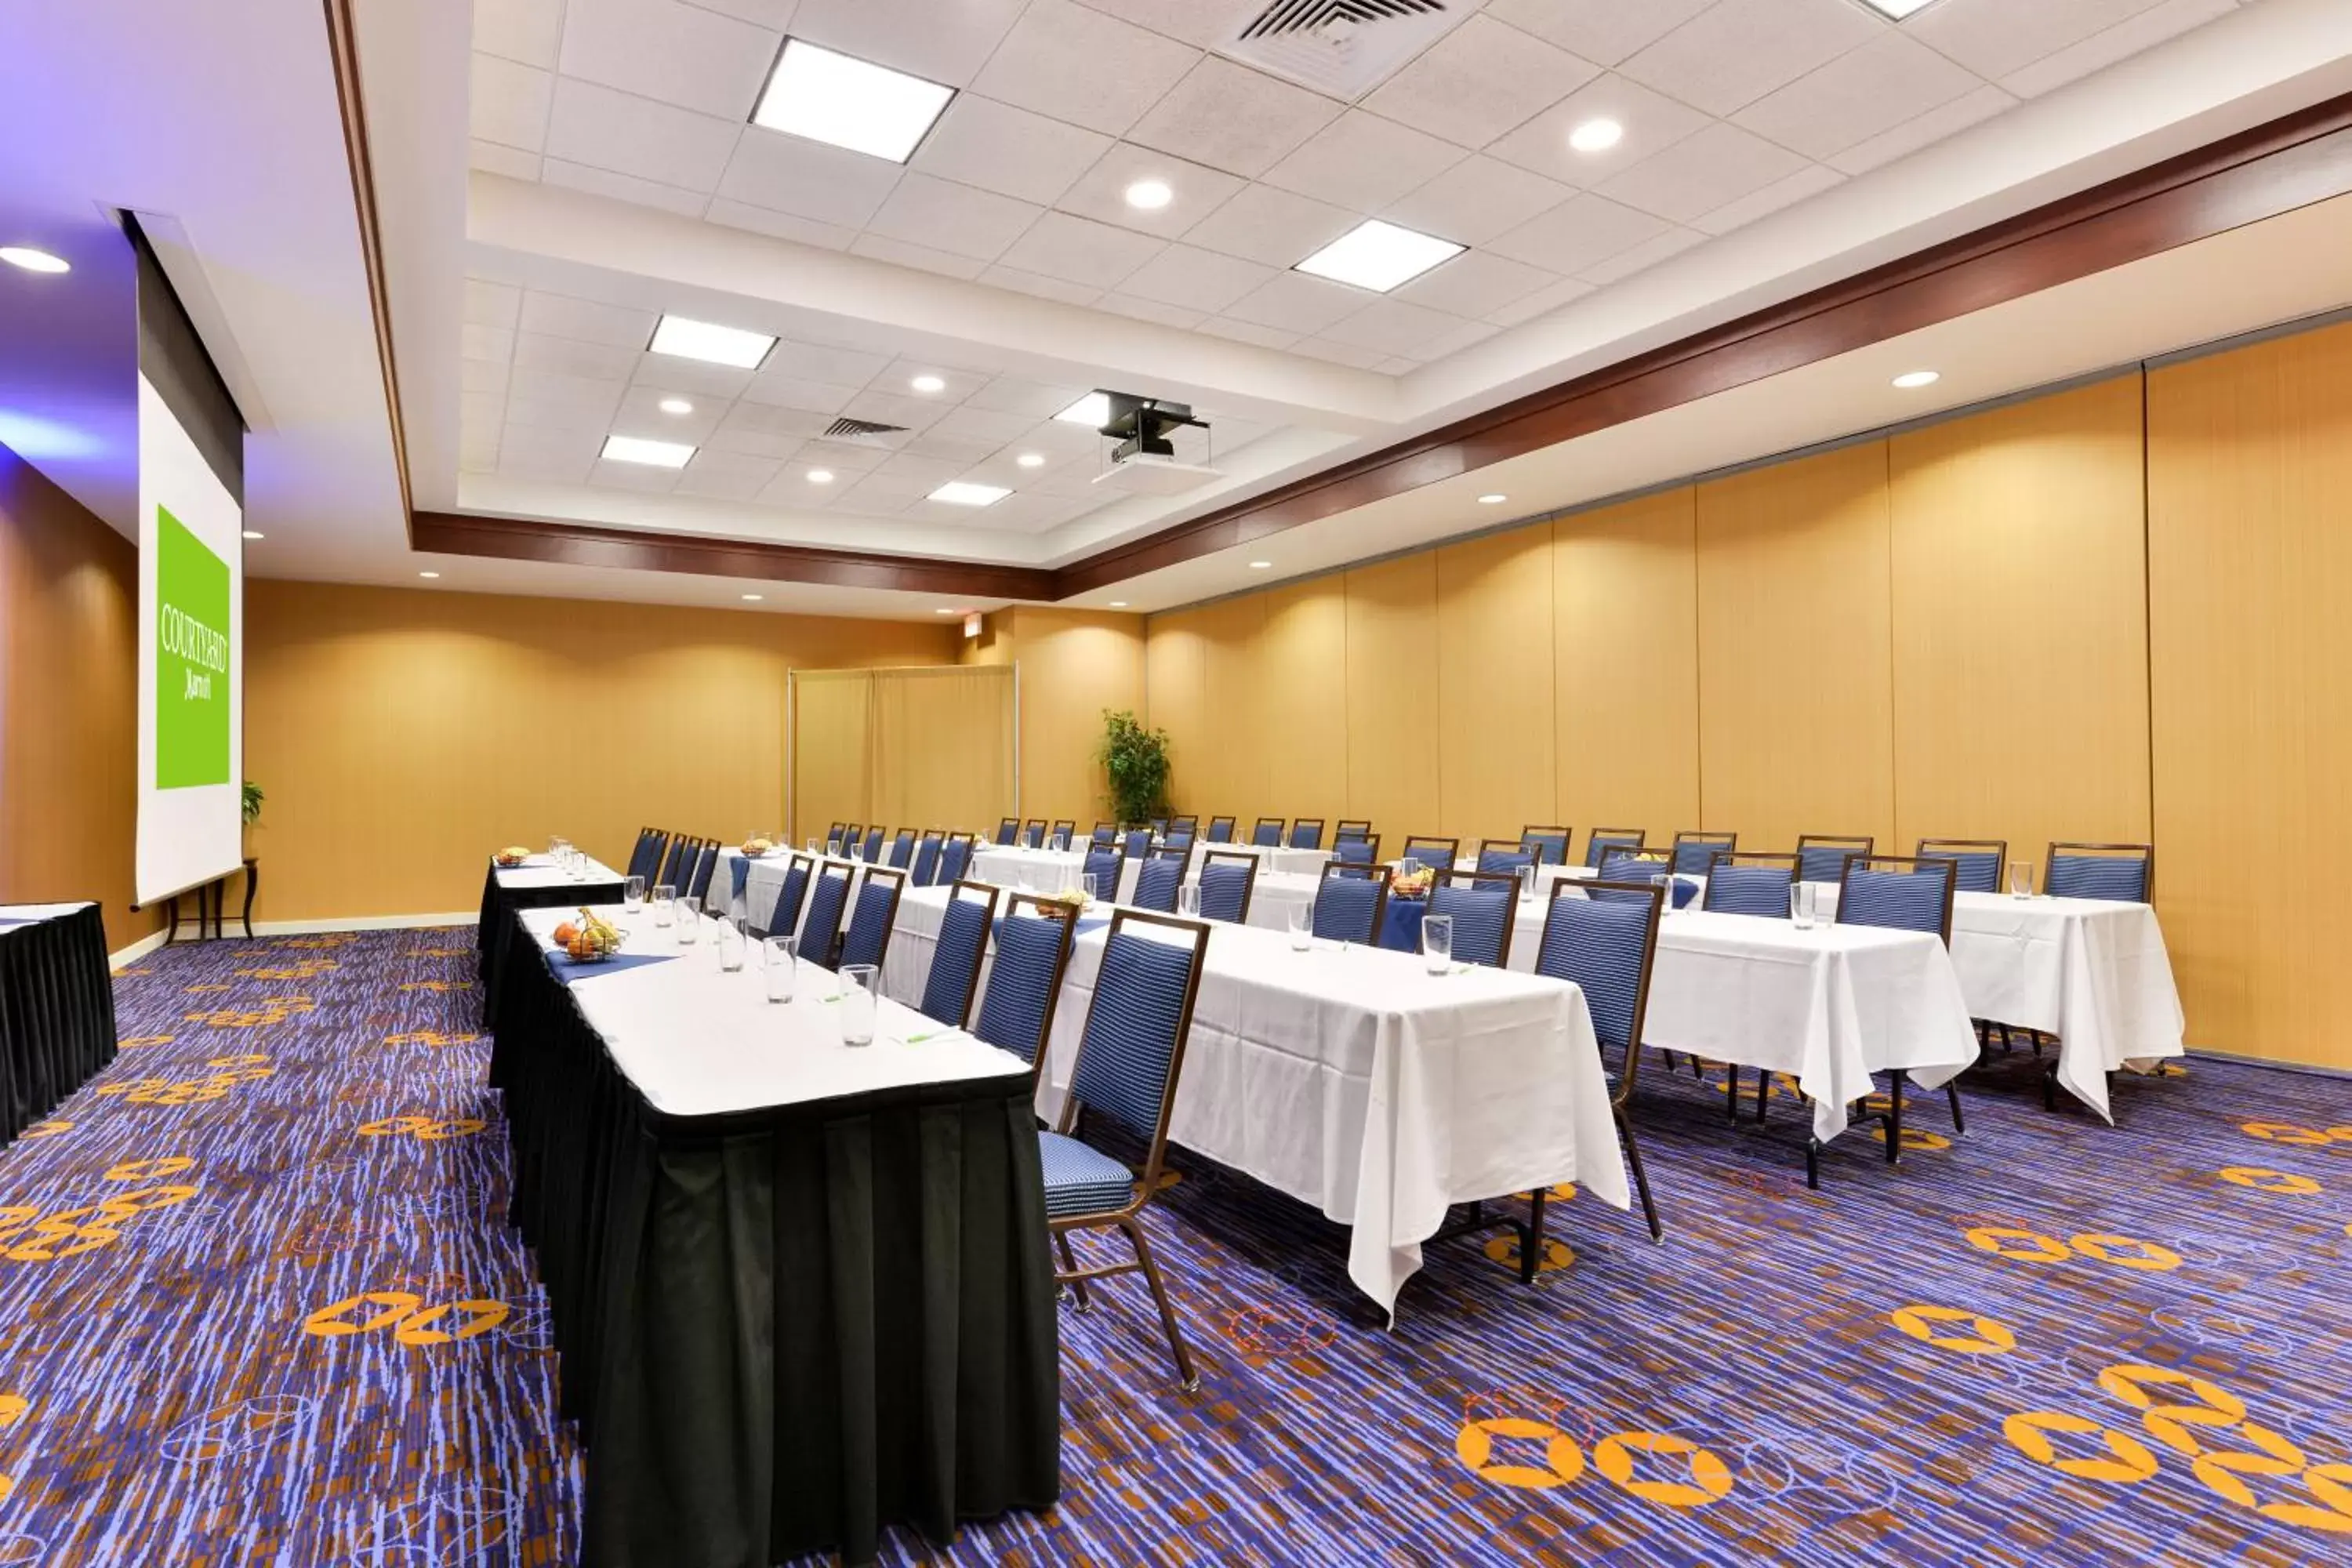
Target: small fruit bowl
{"type": "Point", "coordinates": [1073, 898]}
{"type": "Point", "coordinates": [755, 847]}
{"type": "Point", "coordinates": [590, 940]}
{"type": "Point", "coordinates": [510, 857]}
{"type": "Point", "coordinates": [1413, 884]}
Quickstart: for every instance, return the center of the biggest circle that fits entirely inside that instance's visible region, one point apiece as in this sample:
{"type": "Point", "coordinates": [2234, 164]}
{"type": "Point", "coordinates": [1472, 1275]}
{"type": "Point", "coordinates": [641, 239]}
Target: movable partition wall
{"type": "Point", "coordinates": [918, 748]}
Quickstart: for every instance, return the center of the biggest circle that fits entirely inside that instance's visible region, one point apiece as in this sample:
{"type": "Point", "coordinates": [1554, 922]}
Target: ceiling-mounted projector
{"type": "Point", "coordinates": [1144, 461]}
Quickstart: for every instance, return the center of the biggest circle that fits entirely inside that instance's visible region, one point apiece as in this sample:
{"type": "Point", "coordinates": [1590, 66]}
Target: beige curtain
{"type": "Point", "coordinates": [902, 748]}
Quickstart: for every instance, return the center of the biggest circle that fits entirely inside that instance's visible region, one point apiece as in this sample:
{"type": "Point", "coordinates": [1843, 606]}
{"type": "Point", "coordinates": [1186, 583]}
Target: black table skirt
{"type": "Point", "coordinates": [56, 1014]}
{"type": "Point", "coordinates": [498, 931]}
{"type": "Point", "coordinates": [781, 1331]}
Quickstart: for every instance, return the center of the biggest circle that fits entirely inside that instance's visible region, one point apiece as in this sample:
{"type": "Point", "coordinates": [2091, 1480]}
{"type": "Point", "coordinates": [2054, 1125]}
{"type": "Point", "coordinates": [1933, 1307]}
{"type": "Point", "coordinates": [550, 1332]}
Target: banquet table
{"type": "Point", "coordinates": [56, 1009]}
{"type": "Point", "coordinates": [1042, 870]}
{"type": "Point", "coordinates": [538, 883]}
{"type": "Point", "coordinates": [1271, 858]}
{"type": "Point", "coordinates": [802, 1292]}
{"type": "Point", "coordinates": [766, 879]}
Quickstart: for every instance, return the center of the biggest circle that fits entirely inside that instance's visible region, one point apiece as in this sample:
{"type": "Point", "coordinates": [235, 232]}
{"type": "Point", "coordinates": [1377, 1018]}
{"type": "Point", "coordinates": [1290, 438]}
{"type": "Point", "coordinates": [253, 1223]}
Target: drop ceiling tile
{"type": "Point", "coordinates": [1542, 303]}
{"type": "Point", "coordinates": [629, 135]}
{"type": "Point", "coordinates": [679, 53]}
{"type": "Point", "coordinates": [1011, 394]}
{"type": "Point", "coordinates": [791, 486]}
{"type": "Point", "coordinates": [807, 179]}
{"type": "Point", "coordinates": [565, 420]}
{"type": "Point", "coordinates": [882, 248]}
{"type": "Point", "coordinates": [851, 368]}
{"type": "Point", "coordinates": [696, 378]}
{"type": "Point", "coordinates": [792, 392]}
{"type": "Point", "coordinates": [1101, 194]}
{"type": "Point", "coordinates": [641, 414]}
{"type": "Point", "coordinates": [510, 103]}
{"type": "Point", "coordinates": [1293, 301]}
{"type": "Point", "coordinates": [1454, 341]}
{"type": "Point", "coordinates": [844, 456]}
{"type": "Point", "coordinates": [491, 304]}
{"type": "Point", "coordinates": [1479, 82]}
{"type": "Point", "coordinates": [1699, 173]}
{"type": "Point", "coordinates": [1727, 58]}
{"type": "Point", "coordinates": [754, 443]}
{"type": "Point", "coordinates": [495, 344]}
{"type": "Point", "coordinates": [1857, 96]}
{"type": "Point", "coordinates": [898, 377]}
{"type": "Point", "coordinates": [1231, 118]}
{"type": "Point", "coordinates": [1043, 288]}
{"type": "Point", "coordinates": [1808, 181]}
{"type": "Point", "coordinates": [1061, 435]}
{"type": "Point", "coordinates": [647, 479]}
{"type": "Point", "coordinates": [728, 475]}
{"type": "Point", "coordinates": [1257, 333]}
{"type": "Point", "coordinates": [528, 31]}
{"type": "Point", "coordinates": [979, 141]}
{"type": "Point", "coordinates": [1081, 66]}
{"type": "Point", "coordinates": [590, 320]}
{"type": "Point", "coordinates": [779, 226]}
{"type": "Point", "coordinates": [962, 451]}
{"type": "Point", "coordinates": [772, 13]}
{"type": "Point", "coordinates": [1391, 327]}
{"type": "Point", "coordinates": [512, 162]}
{"type": "Point", "coordinates": [940, 214]}
{"type": "Point", "coordinates": [939, 41]}
{"type": "Point", "coordinates": [1276, 227]}
{"type": "Point", "coordinates": [1347, 354]}
{"type": "Point", "coordinates": [1477, 199]}
{"type": "Point", "coordinates": [1652, 122]}
{"type": "Point", "coordinates": [580, 444]}
{"type": "Point", "coordinates": [1995, 37]}
{"type": "Point", "coordinates": [571, 356]}
{"type": "Point", "coordinates": [992, 426]}
{"type": "Point", "coordinates": [1474, 284]}
{"type": "Point", "coordinates": [1605, 31]}
{"type": "Point", "coordinates": [1580, 233]}
{"type": "Point", "coordinates": [555, 389]}
{"type": "Point", "coordinates": [764, 419]}
{"type": "Point", "coordinates": [1081, 251]}
{"type": "Point", "coordinates": [908, 412]}
{"type": "Point", "coordinates": [1362, 163]}
{"type": "Point", "coordinates": [554, 467]}
{"type": "Point", "coordinates": [1151, 311]}
{"type": "Point", "coordinates": [1928, 128]}
{"type": "Point", "coordinates": [2121, 41]}
{"type": "Point", "coordinates": [481, 377]}
{"type": "Point", "coordinates": [1642, 257]}
{"type": "Point", "coordinates": [478, 452]}
{"type": "Point", "coordinates": [1194, 278]}
{"type": "Point", "coordinates": [623, 187]}
{"type": "Point", "coordinates": [920, 473]}
{"type": "Point", "coordinates": [483, 409]}
{"type": "Point", "coordinates": [1397, 365]}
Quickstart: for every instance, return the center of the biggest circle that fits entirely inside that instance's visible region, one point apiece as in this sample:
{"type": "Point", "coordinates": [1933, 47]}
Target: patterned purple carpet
{"type": "Point", "coordinates": [258, 1305]}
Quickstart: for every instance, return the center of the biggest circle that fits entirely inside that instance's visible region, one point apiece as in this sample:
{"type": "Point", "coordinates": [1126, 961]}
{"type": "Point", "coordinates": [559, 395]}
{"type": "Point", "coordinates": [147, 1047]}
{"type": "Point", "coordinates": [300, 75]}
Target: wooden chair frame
{"type": "Point", "coordinates": [1349, 828]}
{"type": "Point", "coordinates": [1509, 884]}
{"type": "Point", "coordinates": [1375, 872]}
{"type": "Point", "coordinates": [1008, 831]}
{"type": "Point", "coordinates": [1290, 837]}
{"type": "Point", "coordinates": [1230, 823]}
{"type": "Point", "coordinates": [1934, 849]}
{"type": "Point", "coordinates": [1371, 841]}
{"type": "Point", "coordinates": [1621, 1102]}
{"type": "Point", "coordinates": [1067, 918]}
{"type": "Point", "coordinates": [1249, 863]}
{"type": "Point", "coordinates": [1845, 843]}
{"type": "Point", "coordinates": [980, 953]}
{"type": "Point", "coordinates": [1614, 838]}
{"type": "Point", "coordinates": [2145, 853]}
{"type": "Point", "coordinates": [1281, 832]}
{"type": "Point", "coordinates": [1567, 836]}
{"type": "Point", "coordinates": [898, 880]}
{"type": "Point", "coordinates": [1717, 843]}
{"type": "Point", "coordinates": [1789, 861]}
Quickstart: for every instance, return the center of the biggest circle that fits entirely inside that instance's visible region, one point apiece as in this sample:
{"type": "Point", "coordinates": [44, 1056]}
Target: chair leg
{"type": "Point", "coordinates": [1894, 1116]}
{"type": "Point", "coordinates": [1813, 1165]}
{"type": "Point", "coordinates": [1640, 1177]}
{"type": "Point", "coordinates": [1699, 1068]}
{"type": "Point", "coordinates": [1188, 1380]}
{"type": "Point", "coordinates": [1731, 1090]}
{"type": "Point", "coordinates": [1763, 1091]}
{"type": "Point", "coordinates": [1531, 1239]}
{"type": "Point", "coordinates": [1070, 1262]}
{"type": "Point", "coordinates": [2049, 1084]}
{"type": "Point", "coordinates": [1952, 1093]}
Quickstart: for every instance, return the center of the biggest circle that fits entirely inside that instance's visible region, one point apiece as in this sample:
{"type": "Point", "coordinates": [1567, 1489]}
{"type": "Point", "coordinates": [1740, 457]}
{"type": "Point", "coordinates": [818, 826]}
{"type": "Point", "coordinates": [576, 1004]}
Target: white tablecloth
{"type": "Point", "coordinates": [766, 880]}
{"type": "Point", "coordinates": [541, 871]}
{"type": "Point", "coordinates": [698, 1041]}
{"type": "Point", "coordinates": [1041, 871]}
{"type": "Point", "coordinates": [1271, 859]}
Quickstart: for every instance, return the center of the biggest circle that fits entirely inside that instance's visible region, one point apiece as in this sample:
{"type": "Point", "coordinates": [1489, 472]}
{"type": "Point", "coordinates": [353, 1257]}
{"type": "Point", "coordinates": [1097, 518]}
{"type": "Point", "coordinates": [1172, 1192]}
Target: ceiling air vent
{"type": "Point", "coordinates": [1341, 48]}
{"type": "Point", "coordinates": [866, 432]}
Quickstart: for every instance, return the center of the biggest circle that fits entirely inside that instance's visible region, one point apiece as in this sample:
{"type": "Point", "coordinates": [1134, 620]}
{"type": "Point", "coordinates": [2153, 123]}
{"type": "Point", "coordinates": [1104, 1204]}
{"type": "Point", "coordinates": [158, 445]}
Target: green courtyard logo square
{"type": "Point", "coordinates": [191, 659]}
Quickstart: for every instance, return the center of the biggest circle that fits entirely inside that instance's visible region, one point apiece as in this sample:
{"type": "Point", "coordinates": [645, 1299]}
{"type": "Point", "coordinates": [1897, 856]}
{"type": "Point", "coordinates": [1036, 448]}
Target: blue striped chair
{"type": "Point", "coordinates": [646, 858]}
{"type": "Point", "coordinates": [1188, 825]}
{"type": "Point", "coordinates": [705, 865]}
{"type": "Point", "coordinates": [1693, 851]}
{"type": "Point", "coordinates": [956, 957]}
{"type": "Point", "coordinates": [1979, 862]}
{"type": "Point", "coordinates": [1227, 880]}
{"type": "Point", "coordinates": [1129, 1059]}
{"type": "Point", "coordinates": [1306, 833]}
{"type": "Point", "coordinates": [1426, 849]}
{"type": "Point", "coordinates": [1821, 856]}
{"type": "Point", "coordinates": [1604, 947]}
{"type": "Point", "coordinates": [785, 912]}
{"type": "Point", "coordinates": [852, 839]}
{"type": "Point", "coordinates": [1221, 830]}
{"type": "Point", "coordinates": [873, 837]}
{"type": "Point", "coordinates": [1483, 908]}
{"type": "Point", "coordinates": [1350, 902]}
{"type": "Point", "coordinates": [1008, 831]}
{"type": "Point", "coordinates": [1106, 833]}
{"type": "Point", "coordinates": [822, 932]}
{"type": "Point", "coordinates": [2123, 873]}
{"type": "Point", "coordinates": [1105, 866]}
{"type": "Point", "coordinates": [1604, 839]}
{"type": "Point", "coordinates": [1355, 853]}
{"type": "Point", "coordinates": [1754, 884]}
{"type": "Point", "coordinates": [1640, 865]}
{"type": "Point", "coordinates": [1156, 881]}
{"type": "Point", "coordinates": [1548, 844]}
{"type": "Point", "coordinates": [1178, 842]}
{"type": "Point", "coordinates": [1267, 834]}
{"type": "Point", "coordinates": [1139, 843]}
{"type": "Point", "coordinates": [676, 871]}
{"type": "Point", "coordinates": [1033, 947]}
{"type": "Point", "coordinates": [873, 916]}
{"type": "Point", "coordinates": [1352, 827]}
{"type": "Point", "coordinates": [927, 859]}
{"type": "Point", "coordinates": [1897, 893]}
{"type": "Point", "coordinates": [902, 848]}
{"type": "Point", "coordinates": [955, 857]}
{"type": "Point", "coordinates": [1500, 857]}
{"type": "Point", "coordinates": [1064, 831]}
{"type": "Point", "coordinates": [1033, 834]}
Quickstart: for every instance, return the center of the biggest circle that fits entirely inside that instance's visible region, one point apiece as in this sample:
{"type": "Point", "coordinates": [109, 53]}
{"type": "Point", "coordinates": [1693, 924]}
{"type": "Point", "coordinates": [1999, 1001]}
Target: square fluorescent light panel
{"type": "Point", "coordinates": [847, 102]}
{"type": "Point", "coordinates": [1093, 410]}
{"type": "Point", "coordinates": [634, 449]}
{"type": "Point", "coordinates": [712, 344]}
{"type": "Point", "coordinates": [961, 492]}
{"type": "Point", "coordinates": [1378, 256]}
{"type": "Point", "coordinates": [1899, 9]}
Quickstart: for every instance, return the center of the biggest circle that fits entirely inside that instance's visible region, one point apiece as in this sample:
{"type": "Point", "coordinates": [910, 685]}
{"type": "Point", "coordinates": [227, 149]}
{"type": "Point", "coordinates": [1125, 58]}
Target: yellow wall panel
{"type": "Point", "coordinates": [1074, 663]}
{"type": "Point", "coordinates": [1303, 676]}
{"type": "Point", "coordinates": [1625, 663]}
{"type": "Point", "coordinates": [1227, 763]}
{"type": "Point", "coordinates": [1496, 712]}
{"type": "Point", "coordinates": [1173, 673]}
{"type": "Point", "coordinates": [1795, 694]}
{"type": "Point", "coordinates": [1393, 703]}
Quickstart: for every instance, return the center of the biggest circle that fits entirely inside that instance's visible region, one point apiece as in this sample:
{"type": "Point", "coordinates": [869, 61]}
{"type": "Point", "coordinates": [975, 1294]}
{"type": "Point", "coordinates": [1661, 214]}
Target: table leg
{"type": "Point", "coordinates": [252, 885]}
{"type": "Point", "coordinates": [171, 919]}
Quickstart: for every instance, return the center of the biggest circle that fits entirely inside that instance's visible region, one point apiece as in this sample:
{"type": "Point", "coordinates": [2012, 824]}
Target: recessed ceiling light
{"type": "Point", "coordinates": [1118, 604]}
{"type": "Point", "coordinates": [637, 449]}
{"type": "Point", "coordinates": [253, 533]}
{"type": "Point", "coordinates": [1093, 409]}
{"type": "Point", "coordinates": [428, 573]}
{"type": "Point", "coordinates": [752, 599]}
{"type": "Point", "coordinates": [1031, 460]}
{"type": "Point", "coordinates": [1596, 136]}
{"type": "Point", "coordinates": [927, 384]}
{"type": "Point", "coordinates": [1910, 379]}
{"type": "Point", "coordinates": [848, 102]}
{"type": "Point", "coordinates": [32, 261]}
{"type": "Point", "coordinates": [1899, 9]}
{"type": "Point", "coordinates": [1149, 195]}
{"type": "Point", "coordinates": [1260, 566]}
{"type": "Point", "coordinates": [820, 475]}
{"type": "Point", "coordinates": [962, 492]}
{"type": "Point", "coordinates": [717, 346]}
{"type": "Point", "coordinates": [1492, 499]}
{"type": "Point", "coordinates": [675, 405]}
{"type": "Point", "coordinates": [1378, 256]}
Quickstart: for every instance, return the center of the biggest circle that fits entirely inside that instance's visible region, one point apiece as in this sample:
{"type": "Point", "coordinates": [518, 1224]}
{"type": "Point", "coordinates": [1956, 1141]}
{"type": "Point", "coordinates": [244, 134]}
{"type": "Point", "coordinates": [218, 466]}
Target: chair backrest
{"type": "Point", "coordinates": [956, 957]}
{"type": "Point", "coordinates": [1267, 834]}
{"type": "Point", "coordinates": [873, 837]}
{"type": "Point", "coordinates": [785, 912]}
{"type": "Point", "coordinates": [822, 931]}
{"type": "Point", "coordinates": [1227, 880]}
{"type": "Point", "coordinates": [926, 857]}
{"type": "Point", "coordinates": [1106, 833]}
{"type": "Point", "coordinates": [1821, 856]}
{"type": "Point", "coordinates": [1156, 881]}
{"type": "Point", "coordinates": [1899, 892]}
{"type": "Point", "coordinates": [1139, 843]}
{"type": "Point", "coordinates": [1159, 825]}
{"type": "Point", "coordinates": [705, 864]}
{"type": "Point", "coordinates": [1105, 866]}
{"type": "Point", "coordinates": [1980, 860]}
{"type": "Point", "coordinates": [1350, 902]}
{"type": "Point", "coordinates": [873, 916]}
{"type": "Point", "coordinates": [2125, 872]}
{"type": "Point", "coordinates": [852, 839]}
{"type": "Point", "coordinates": [1306, 833]}
{"type": "Point", "coordinates": [1621, 864]}
{"type": "Point", "coordinates": [1352, 827]}
{"type": "Point", "coordinates": [1484, 907]}
{"type": "Point", "coordinates": [677, 866]}
{"type": "Point", "coordinates": [1605, 947]}
{"type": "Point", "coordinates": [1178, 838]}
{"type": "Point", "coordinates": [1604, 839]}
{"type": "Point", "coordinates": [902, 848]}
{"type": "Point", "coordinates": [1132, 1051]}
{"type": "Point", "coordinates": [832, 830]}
{"type": "Point", "coordinates": [1754, 884]}
{"type": "Point", "coordinates": [646, 858]}
{"type": "Point", "coordinates": [1438, 853]}
{"type": "Point", "coordinates": [1033, 834]}
{"type": "Point", "coordinates": [955, 857]}
{"type": "Point", "coordinates": [1359, 852]}
{"type": "Point", "coordinates": [1032, 945]}
{"type": "Point", "coordinates": [1548, 845]}
{"type": "Point", "coordinates": [1221, 830]}
{"type": "Point", "coordinates": [1693, 851]}
{"type": "Point", "coordinates": [1186, 823]}
{"type": "Point", "coordinates": [1500, 855]}
{"type": "Point", "coordinates": [1064, 831]}
{"type": "Point", "coordinates": [1008, 830]}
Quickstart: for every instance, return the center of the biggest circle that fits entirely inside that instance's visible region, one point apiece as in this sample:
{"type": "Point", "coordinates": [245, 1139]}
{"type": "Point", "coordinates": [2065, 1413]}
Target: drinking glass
{"type": "Point", "coordinates": [1088, 883]}
{"type": "Point", "coordinates": [859, 983]}
{"type": "Point", "coordinates": [1665, 882]}
{"type": "Point", "coordinates": [781, 961]}
{"type": "Point", "coordinates": [556, 846]}
{"type": "Point", "coordinates": [1188, 901]}
{"type": "Point", "coordinates": [689, 918]}
{"type": "Point", "coordinates": [1300, 918]}
{"type": "Point", "coordinates": [664, 903]}
{"type": "Point", "coordinates": [1437, 942]}
{"type": "Point", "coordinates": [1527, 883]}
{"type": "Point", "coordinates": [730, 945]}
{"type": "Point", "coordinates": [1803, 904]}
{"type": "Point", "coordinates": [633, 895]}
{"type": "Point", "coordinates": [2020, 878]}
{"type": "Point", "coordinates": [814, 847]}
{"type": "Point", "coordinates": [832, 847]}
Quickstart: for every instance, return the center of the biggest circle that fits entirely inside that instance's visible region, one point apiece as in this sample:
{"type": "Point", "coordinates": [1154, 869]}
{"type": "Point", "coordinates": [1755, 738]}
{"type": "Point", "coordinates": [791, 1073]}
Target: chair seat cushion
{"type": "Point", "coordinates": [1080, 1180]}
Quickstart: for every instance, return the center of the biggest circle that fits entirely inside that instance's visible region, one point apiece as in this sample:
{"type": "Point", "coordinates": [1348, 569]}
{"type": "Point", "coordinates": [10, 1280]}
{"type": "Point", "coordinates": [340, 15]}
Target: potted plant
{"type": "Point", "coordinates": [252, 810]}
{"type": "Point", "coordinates": [1135, 760]}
